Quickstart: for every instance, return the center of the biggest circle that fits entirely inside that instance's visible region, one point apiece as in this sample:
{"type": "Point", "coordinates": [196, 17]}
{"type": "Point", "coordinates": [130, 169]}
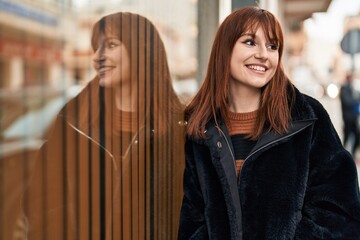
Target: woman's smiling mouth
{"type": "Point", "coordinates": [257, 68]}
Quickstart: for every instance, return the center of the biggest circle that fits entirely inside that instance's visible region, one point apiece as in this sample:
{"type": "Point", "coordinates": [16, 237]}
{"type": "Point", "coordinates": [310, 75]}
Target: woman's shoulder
{"type": "Point", "coordinates": [306, 106]}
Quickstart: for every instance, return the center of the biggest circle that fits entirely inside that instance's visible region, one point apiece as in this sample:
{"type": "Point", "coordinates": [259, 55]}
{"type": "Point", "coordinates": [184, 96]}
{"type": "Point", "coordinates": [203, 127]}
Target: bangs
{"type": "Point", "coordinates": [109, 27]}
{"type": "Point", "coordinates": [267, 22]}
{"type": "Point", "coordinates": [271, 29]}
{"type": "Point", "coordinates": [96, 33]}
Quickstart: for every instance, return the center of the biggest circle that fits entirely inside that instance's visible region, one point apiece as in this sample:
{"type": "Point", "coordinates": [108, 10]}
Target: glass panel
{"type": "Point", "coordinates": [91, 120]}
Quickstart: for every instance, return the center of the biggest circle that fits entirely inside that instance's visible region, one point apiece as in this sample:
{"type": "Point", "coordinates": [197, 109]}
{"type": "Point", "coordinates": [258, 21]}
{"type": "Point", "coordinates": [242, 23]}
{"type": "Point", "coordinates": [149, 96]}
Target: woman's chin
{"type": "Point", "coordinates": [111, 82]}
{"type": "Point", "coordinates": [103, 82]}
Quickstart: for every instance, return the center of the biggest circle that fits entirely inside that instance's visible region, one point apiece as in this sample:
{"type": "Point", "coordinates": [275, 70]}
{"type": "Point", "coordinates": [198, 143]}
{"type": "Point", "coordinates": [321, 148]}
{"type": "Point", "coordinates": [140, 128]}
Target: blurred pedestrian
{"type": "Point", "coordinates": [263, 161]}
{"type": "Point", "coordinates": [113, 163]}
{"type": "Point", "coordinates": [350, 112]}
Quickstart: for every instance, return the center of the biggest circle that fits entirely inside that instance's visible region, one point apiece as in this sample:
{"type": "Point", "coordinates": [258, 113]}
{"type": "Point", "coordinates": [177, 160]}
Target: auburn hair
{"type": "Point", "coordinates": [149, 70]}
{"type": "Point", "coordinates": [212, 100]}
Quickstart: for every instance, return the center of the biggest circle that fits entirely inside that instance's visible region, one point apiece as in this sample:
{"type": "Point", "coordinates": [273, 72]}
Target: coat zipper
{"type": "Point", "coordinates": [269, 144]}
{"type": "Point", "coordinates": [97, 143]}
{"type": "Point", "coordinates": [257, 150]}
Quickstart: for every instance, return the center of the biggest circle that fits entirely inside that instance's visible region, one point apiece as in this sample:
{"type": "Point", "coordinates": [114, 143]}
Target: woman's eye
{"type": "Point", "coordinates": [112, 45]}
{"type": "Point", "coordinates": [249, 42]}
{"type": "Point", "coordinates": [273, 47]}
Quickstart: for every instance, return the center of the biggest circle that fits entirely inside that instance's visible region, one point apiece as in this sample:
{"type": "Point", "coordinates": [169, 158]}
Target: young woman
{"type": "Point", "coordinates": [263, 161]}
{"type": "Point", "coordinates": [112, 166]}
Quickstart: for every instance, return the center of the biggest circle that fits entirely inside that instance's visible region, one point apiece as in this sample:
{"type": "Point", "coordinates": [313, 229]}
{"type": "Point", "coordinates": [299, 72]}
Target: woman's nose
{"type": "Point", "coordinates": [99, 55]}
{"type": "Point", "coordinates": [261, 52]}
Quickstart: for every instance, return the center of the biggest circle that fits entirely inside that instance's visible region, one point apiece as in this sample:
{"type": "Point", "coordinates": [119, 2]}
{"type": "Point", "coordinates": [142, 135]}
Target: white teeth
{"type": "Point", "coordinates": [257, 68]}
{"type": "Point", "coordinates": [103, 69]}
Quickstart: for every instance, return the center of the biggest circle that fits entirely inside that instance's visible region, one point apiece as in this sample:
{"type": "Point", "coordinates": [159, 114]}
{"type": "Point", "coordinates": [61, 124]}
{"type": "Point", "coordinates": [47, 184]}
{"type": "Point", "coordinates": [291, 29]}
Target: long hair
{"type": "Point", "coordinates": [149, 73]}
{"type": "Point", "coordinates": [213, 96]}
{"type": "Point", "coordinates": [140, 194]}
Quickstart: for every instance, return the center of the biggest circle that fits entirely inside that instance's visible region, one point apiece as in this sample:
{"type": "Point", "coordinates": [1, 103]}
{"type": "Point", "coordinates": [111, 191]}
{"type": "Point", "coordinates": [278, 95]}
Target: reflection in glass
{"type": "Point", "coordinates": [113, 162]}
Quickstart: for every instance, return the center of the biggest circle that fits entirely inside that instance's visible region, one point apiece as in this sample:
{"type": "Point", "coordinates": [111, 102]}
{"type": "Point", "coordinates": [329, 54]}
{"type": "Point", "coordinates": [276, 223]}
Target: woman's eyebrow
{"type": "Point", "coordinates": [273, 40]}
{"type": "Point", "coordinates": [253, 36]}
{"type": "Point", "coordinates": [111, 38]}
{"type": "Point", "coordinates": [248, 35]}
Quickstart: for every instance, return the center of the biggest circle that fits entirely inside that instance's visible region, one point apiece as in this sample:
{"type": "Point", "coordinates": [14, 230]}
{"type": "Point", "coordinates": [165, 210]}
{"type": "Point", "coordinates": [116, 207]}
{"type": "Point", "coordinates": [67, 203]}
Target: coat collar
{"type": "Point", "coordinates": [302, 115]}
{"type": "Point", "coordinates": [268, 138]}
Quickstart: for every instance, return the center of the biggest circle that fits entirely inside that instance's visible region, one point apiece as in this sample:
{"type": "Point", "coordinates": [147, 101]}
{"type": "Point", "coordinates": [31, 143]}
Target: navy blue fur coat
{"type": "Point", "coordinates": [298, 185]}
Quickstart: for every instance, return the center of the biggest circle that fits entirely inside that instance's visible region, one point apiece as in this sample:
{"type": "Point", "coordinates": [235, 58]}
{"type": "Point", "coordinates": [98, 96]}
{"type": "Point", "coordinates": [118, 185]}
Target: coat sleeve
{"type": "Point", "coordinates": [331, 208]}
{"type": "Point", "coordinates": [192, 219]}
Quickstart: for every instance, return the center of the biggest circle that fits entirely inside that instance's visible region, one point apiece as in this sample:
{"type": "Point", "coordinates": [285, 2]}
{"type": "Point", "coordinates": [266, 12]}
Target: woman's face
{"type": "Point", "coordinates": [111, 61]}
{"type": "Point", "coordinates": [253, 60]}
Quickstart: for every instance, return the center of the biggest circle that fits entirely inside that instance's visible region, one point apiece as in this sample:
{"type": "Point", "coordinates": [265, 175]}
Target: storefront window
{"type": "Point", "coordinates": [92, 121]}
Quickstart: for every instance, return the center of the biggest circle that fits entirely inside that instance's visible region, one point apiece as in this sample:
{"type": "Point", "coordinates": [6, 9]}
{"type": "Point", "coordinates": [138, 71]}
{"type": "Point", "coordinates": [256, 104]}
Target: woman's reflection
{"type": "Point", "coordinates": [113, 163]}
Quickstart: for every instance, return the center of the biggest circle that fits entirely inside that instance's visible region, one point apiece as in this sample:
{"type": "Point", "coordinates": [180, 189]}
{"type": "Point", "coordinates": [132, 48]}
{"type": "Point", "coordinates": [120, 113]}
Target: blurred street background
{"type": "Point", "coordinates": [45, 59]}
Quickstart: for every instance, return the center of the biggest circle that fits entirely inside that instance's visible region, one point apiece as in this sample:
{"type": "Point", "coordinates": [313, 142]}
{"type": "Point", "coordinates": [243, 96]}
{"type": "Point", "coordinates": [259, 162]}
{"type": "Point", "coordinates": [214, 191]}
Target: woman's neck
{"type": "Point", "coordinates": [244, 99]}
{"type": "Point", "coordinates": [125, 98]}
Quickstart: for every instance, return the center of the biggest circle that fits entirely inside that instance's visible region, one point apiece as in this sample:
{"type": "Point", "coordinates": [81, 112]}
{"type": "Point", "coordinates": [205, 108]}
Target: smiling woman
{"type": "Point", "coordinates": [263, 161]}
{"type": "Point", "coordinates": [112, 164]}
{"type": "Point", "coordinates": [253, 63]}
{"type": "Point", "coordinates": [111, 61]}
